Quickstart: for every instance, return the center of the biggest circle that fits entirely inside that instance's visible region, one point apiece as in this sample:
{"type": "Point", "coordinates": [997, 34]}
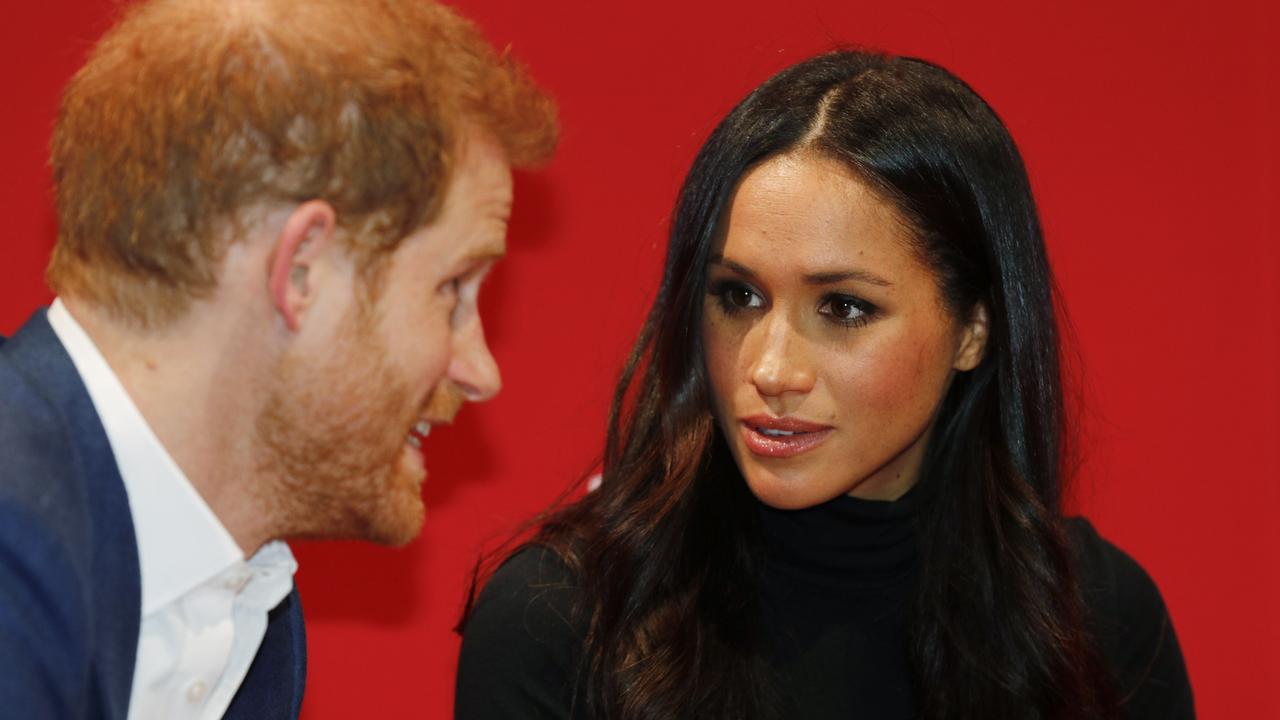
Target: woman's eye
{"type": "Point", "coordinates": [742, 298]}
{"type": "Point", "coordinates": [846, 309]}
{"type": "Point", "coordinates": [734, 297]}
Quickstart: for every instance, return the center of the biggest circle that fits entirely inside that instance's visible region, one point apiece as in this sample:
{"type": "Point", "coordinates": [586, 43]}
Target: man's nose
{"type": "Point", "coordinates": [779, 364]}
{"type": "Point", "coordinates": [472, 369]}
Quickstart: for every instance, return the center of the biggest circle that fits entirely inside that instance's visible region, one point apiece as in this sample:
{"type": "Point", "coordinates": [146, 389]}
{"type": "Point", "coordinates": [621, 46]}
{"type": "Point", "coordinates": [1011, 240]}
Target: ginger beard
{"type": "Point", "coordinates": [334, 439]}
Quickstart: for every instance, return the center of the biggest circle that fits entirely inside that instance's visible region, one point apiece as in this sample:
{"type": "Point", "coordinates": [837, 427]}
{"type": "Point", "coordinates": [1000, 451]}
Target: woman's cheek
{"type": "Point", "coordinates": [888, 383]}
{"type": "Point", "coordinates": [721, 355]}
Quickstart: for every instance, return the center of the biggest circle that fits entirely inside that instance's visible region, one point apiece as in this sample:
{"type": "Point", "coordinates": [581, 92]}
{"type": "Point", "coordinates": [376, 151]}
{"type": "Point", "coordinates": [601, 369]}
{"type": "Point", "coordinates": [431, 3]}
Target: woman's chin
{"type": "Point", "coordinates": [787, 493]}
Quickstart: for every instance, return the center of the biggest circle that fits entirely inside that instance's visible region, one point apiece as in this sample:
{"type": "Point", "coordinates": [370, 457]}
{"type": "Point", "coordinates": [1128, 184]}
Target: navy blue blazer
{"type": "Point", "coordinates": [70, 589]}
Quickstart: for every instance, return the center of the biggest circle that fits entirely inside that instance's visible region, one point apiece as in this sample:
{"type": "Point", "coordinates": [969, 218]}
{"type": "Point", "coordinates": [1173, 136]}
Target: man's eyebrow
{"type": "Point", "coordinates": [822, 278]}
{"type": "Point", "coordinates": [485, 253]}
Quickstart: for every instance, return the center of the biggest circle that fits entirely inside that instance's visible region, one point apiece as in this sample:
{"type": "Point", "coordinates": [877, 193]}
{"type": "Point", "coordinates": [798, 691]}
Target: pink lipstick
{"type": "Point", "coordinates": [782, 437]}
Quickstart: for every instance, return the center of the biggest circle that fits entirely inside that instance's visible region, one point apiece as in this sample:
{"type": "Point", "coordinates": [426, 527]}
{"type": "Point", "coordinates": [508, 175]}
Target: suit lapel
{"type": "Point", "coordinates": [272, 690]}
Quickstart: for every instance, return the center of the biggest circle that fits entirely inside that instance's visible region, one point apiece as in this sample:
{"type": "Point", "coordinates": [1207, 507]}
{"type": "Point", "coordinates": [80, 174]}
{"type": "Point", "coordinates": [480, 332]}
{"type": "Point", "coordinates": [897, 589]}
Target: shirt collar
{"type": "Point", "coordinates": [181, 543]}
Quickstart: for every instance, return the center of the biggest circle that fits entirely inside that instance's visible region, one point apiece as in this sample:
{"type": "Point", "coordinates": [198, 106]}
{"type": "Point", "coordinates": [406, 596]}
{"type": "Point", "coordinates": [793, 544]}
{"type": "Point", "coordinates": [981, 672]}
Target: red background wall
{"type": "Point", "coordinates": [1148, 128]}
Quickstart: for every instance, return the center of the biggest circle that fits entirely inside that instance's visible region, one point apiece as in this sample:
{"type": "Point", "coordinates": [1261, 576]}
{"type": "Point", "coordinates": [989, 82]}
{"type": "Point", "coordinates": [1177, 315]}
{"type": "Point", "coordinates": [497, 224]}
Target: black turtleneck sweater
{"type": "Point", "coordinates": [834, 596]}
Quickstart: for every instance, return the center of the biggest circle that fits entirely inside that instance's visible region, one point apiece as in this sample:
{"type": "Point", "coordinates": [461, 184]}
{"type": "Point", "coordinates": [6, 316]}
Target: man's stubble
{"type": "Point", "coordinates": [330, 441]}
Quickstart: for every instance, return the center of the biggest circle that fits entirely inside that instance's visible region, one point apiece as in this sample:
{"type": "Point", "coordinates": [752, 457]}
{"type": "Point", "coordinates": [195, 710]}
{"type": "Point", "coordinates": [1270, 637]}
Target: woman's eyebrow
{"type": "Point", "coordinates": [736, 267]}
{"type": "Point", "coordinates": [828, 277]}
{"type": "Point", "coordinates": [835, 276]}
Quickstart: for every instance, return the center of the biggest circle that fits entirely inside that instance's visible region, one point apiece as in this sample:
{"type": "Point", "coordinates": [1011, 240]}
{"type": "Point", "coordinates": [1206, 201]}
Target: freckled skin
{"type": "Point", "coordinates": [877, 384]}
{"type": "Point", "coordinates": [336, 425]}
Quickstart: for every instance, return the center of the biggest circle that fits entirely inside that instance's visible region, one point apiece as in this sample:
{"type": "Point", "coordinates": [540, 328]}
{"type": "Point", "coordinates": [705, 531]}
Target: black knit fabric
{"type": "Point", "coordinates": [835, 596]}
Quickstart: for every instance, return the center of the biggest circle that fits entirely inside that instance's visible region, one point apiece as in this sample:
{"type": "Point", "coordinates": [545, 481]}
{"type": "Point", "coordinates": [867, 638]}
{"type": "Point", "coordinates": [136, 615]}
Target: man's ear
{"type": "Point", "coordinates": [973, 345]}
{"type": "Point", "coordinates": [306, 236]}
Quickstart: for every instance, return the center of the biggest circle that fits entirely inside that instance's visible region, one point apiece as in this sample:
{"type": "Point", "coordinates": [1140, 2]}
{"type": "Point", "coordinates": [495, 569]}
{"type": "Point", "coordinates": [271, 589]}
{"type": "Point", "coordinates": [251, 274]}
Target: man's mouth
{"type": "Point", "coordinates": [419, 433]}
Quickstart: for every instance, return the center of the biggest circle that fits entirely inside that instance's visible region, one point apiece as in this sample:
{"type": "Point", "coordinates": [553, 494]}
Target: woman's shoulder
{"type": "Point", "coordinates": [522, 641]}
{"type": "Point", "coordinates": [533, 579]}
{"type": "Point", "coordinates": [1133, 624]}
{"type": "Point", "coordinates": [1113, 581]}
{"type": "Point", "coordinates": [530, 598]}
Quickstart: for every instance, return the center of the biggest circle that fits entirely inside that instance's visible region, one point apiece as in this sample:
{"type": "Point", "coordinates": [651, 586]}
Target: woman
{"type": "Point", "coordinates": [832, 474]}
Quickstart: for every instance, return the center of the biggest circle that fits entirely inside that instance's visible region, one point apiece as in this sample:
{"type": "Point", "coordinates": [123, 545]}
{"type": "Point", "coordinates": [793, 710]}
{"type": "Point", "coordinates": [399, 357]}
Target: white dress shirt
{"type": "Point", "coordinates": [204, 608]}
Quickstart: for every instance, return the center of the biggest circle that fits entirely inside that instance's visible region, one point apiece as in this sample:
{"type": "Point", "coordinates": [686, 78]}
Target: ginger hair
{"type": "Point", "coordinates": [191, 114]}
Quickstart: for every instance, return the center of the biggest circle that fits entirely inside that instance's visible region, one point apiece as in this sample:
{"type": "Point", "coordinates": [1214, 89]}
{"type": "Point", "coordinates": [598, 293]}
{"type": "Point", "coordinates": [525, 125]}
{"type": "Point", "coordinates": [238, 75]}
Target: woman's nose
{"type": "Point", "coordinates": [779, 365]}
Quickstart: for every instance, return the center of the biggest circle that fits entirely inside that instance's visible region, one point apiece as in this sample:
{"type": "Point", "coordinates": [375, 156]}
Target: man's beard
{"type": "Point", "coordinates": [330, 442]}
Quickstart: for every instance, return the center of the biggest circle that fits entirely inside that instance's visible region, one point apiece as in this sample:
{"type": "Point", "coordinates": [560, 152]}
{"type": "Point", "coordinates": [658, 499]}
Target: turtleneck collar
{"type": "Point", "coordinates": [848, 541]}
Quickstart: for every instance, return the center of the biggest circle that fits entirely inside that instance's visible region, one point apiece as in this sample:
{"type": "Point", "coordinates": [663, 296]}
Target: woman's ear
{"type": "Point", "coordinates": [973, 345]}
{"type": "Point", "coordinates": [305, 237]}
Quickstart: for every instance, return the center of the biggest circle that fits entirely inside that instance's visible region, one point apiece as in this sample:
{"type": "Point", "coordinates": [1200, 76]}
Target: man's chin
{"type": "Point", "coordinates": [400, 526]}
{"type": "Point", "coordinates": [400, 513]}
{"type": "Point", "coordinates": [387, 511]}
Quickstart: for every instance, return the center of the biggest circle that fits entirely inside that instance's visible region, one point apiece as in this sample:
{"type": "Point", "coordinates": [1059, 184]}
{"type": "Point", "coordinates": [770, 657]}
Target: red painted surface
{"type": "Point", "coordinates": [1148, 128]}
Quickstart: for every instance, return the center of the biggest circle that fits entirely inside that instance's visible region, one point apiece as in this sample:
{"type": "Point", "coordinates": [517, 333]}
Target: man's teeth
{"type": "Point", "coordinates": [775, 433]}
{"type": "Point", "coordinates": [420, 430]}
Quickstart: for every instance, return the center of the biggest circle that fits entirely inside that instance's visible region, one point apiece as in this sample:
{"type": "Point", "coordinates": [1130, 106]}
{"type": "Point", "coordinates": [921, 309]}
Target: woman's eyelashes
{"type": "Point", "coordinates": [847, 310]}
{"type": "Point", "coordinates": [734, 297]}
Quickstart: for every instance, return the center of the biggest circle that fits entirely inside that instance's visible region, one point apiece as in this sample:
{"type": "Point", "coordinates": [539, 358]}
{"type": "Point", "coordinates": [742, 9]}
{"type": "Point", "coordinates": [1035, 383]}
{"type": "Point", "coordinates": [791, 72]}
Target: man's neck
{"type": "Point", "coordinates": [193, 384]}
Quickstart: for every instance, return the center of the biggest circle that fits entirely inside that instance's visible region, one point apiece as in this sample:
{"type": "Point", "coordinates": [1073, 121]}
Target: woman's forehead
{"type": "Point", "coordinates": [811, 215]}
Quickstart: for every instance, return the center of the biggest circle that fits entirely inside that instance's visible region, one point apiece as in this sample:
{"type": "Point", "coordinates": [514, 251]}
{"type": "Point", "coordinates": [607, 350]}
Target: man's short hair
{"type": "Point", "coordinates": [191, 114]}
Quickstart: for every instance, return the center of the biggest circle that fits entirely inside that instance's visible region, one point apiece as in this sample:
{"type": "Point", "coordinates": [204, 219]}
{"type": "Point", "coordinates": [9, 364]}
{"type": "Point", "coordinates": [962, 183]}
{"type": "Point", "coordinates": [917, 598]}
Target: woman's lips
{"type": "Point", "coordinates": [781, 437]}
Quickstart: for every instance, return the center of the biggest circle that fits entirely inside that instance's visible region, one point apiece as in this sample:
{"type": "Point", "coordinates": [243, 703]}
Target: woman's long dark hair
{"type": "Point", "coordinates": [667, 551]}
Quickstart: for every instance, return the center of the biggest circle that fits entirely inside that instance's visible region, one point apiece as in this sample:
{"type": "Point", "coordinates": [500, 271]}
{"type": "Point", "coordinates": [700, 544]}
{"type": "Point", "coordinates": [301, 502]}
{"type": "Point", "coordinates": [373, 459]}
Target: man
{"type": "Point", "coordinates": [274, 218]}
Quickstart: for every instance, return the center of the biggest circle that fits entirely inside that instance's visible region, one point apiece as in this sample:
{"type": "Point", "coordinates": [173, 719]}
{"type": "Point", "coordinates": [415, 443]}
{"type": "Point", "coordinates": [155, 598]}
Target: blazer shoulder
{"type": "Point", "coordinates": [67, 546]}
{"type": "Point", "coordinates": [47, 629]}
{"type": "Point", "coordinates": [39, 470]}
